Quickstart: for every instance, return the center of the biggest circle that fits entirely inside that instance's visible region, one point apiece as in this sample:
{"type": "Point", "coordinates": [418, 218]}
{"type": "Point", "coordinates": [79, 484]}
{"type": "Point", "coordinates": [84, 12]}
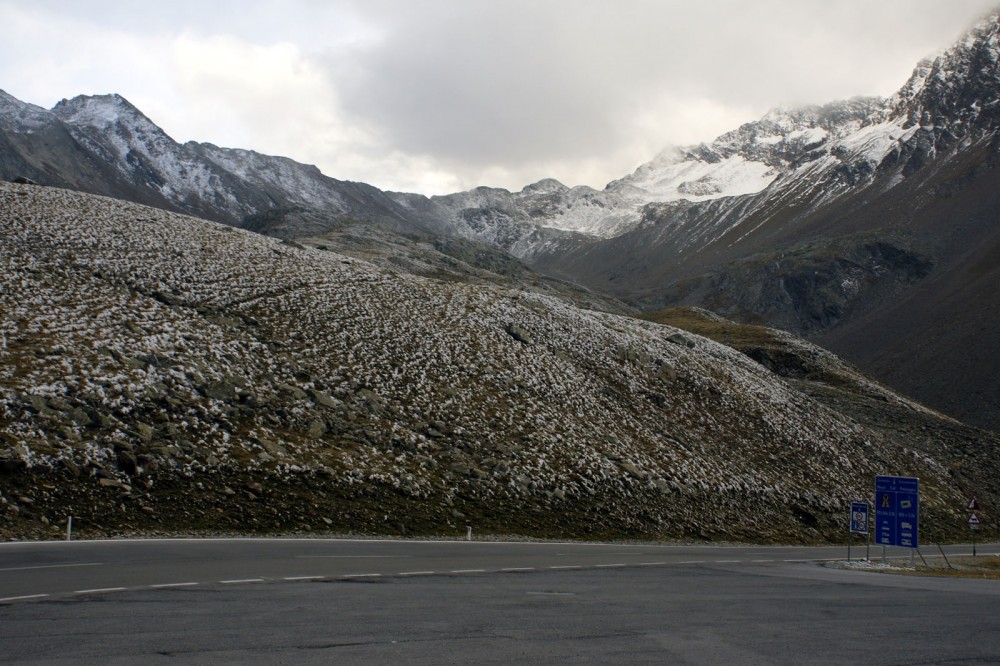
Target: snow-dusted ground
{"type": "Point", "coordinates": [191, 346]}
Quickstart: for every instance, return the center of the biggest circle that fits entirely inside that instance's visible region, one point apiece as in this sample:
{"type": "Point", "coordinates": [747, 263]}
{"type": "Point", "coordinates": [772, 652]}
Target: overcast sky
{"type": "Point", "coordinates": [437, 96]}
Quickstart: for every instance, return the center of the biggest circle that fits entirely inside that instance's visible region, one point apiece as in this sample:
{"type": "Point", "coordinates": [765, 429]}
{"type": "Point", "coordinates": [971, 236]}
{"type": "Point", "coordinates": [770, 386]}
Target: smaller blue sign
{"type": "Point", "coordinates": [859, 517]}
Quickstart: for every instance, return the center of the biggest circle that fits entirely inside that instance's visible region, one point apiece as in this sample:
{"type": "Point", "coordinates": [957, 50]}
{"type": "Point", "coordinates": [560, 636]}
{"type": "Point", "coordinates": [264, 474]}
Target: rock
{"type": "Point", "coordinates": [81, 417]}
{"type": "Point", "coordinates": [322, 399]}
{"type": "Point", "coordinates": [224, 390]}
{"type": "Point", "coordinates": [317, 428]}
{"type": "Point", "coordinates": [167, 298]}
{"type": "Point", "coordinates": [109, 483]}
{"type": "Point", "coordinates": [664, 372]}
{"type": "Point", "coordinates": [681, 340]}
{"type": "Point", "coordinates": [24, 180]}
{"type": "Point", "coordinates": [518, 332]}
{"type": "Point", "coordinates": [292, 392]}
{"type": "Point", "coordinates": [128, 463]}
{"type": "Point", "coordinates": [39, 404]}
{"type": "Point", "coordinates": [72, 469]}
{"type": "Point", "coordinates": [144, 431]}
{"type": "Point", "coordinates": [273, 448]}
{"type": "Point", "coordinates": [254, 487]}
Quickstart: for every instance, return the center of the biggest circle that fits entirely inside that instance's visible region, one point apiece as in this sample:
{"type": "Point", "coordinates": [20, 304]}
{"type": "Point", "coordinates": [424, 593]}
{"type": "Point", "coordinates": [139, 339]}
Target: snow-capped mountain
{"type": "Point", "coordinates": [877, 234]}
{"type": "Point", "coordinates": [137, 160]}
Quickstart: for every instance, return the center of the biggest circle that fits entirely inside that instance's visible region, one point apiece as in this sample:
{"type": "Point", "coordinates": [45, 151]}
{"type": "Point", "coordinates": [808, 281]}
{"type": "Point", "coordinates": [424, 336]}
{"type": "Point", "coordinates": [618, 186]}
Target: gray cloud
{"type": "Point", "coordinates": [435, 95]}
{"type": "Point", "coordinates": [514, 82]}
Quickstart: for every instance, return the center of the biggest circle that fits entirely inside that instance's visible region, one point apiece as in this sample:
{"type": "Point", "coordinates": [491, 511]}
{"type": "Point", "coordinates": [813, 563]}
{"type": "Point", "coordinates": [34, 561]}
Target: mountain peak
{"type": "Point", "coordinates": [545, 186]}
{"type": "Point", "coordinates": [98, 110]}
{"type": "Point", "coordinates": [958, 86]}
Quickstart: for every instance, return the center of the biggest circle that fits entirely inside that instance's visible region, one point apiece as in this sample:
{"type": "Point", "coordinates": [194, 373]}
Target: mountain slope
{"type": "Point", "coordinates": [162, 373]}
{"type": "Point", "coordinates": [892, 221]}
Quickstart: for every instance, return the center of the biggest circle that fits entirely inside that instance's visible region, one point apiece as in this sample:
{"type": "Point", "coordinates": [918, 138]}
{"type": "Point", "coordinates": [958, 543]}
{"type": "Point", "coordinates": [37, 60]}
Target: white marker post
{"type": "Point", "coordinates": [69, 528]}
{"type": "Point", "coordinates": [468, 532]}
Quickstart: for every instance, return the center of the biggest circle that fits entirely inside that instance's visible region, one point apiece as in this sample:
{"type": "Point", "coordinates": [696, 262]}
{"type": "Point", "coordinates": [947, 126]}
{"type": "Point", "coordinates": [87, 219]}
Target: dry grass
{"type": "Point", "coordinates": [982, 567]}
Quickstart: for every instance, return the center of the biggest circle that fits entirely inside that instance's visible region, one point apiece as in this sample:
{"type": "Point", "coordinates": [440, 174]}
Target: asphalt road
{"type": "Point", "coordinates": [323, 601]}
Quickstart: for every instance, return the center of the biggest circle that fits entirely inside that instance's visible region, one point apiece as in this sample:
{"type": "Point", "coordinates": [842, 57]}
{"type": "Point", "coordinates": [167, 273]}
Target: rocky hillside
{"type": "Point", "coordinates": [160, 373]}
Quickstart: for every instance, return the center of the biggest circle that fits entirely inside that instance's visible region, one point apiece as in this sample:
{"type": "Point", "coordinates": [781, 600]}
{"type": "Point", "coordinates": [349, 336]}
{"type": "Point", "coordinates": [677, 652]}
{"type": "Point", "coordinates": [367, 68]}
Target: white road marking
{"type": "Point", "coordinates": [353, 557]}
{"type": "Point", "coordinates": [566, 566]}
{"type": "Point", "coordinates": [361, 575]}
{"type": "Point", "coordinates": [468, 571]}
{"type": "Point", "coordinates": [167, 585]}
{"type": "Point", "coordinates": [25, 597]}
{"type": "Point", "coordinates": [54, 566]}
{"type": "Point", "coordinates": [242, 580]}
{"type": "Point", "coordinates": [101, 590]}
{"type": "Point", "coordinates": [727, 561]}
{"type": "Point", "coordinates": [416, 573]}
{"type": "Point", "coordinates": [689, 562]}
{"type": "Point", "coordinates": [609, 566]}
{"type": "Point", "coordinates": [518, 569]}
{"type": "Point", "coordinates": [651, 564]}
{"type": "Point", "coordinates": [304, 577]}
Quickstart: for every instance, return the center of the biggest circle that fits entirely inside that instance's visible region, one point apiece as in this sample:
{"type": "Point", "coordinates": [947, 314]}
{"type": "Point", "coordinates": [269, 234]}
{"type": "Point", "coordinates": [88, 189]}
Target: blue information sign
{"type": "Point", "coordinates": [859, 517]}
{"type": "Point", "coordinates": [897, 510]}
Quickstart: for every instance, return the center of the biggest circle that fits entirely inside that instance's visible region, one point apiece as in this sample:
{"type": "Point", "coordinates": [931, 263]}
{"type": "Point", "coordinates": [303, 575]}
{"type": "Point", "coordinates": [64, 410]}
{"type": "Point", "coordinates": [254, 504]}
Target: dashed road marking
{"type": "Point", "coordinates": [368, 575]}
{"type": "Point", "coordinates": [566, 566]}
{"type": "Point", "coordinates": [242, 580]}
{"type": "Point", "coordinates": [417, 573]}
{"type": "Point", "coordinates": [609, 566]}
{"type": "Point", "coordinates": [24, 598]}
{"type": "Point", "coordinates": [169, 585]}
{"type": "Point", "coordinates": [509, 569]}
{"type": "Point", "coordinates": [54, 566]}
{"type": "Point", "coordinates": [651, 564]}
{"type": "Point", "coordinates": [304, 577]}
{"type": "Point", "coordinates": [101, 590]}
{"type": "Point", "coordinates": [468, 571]}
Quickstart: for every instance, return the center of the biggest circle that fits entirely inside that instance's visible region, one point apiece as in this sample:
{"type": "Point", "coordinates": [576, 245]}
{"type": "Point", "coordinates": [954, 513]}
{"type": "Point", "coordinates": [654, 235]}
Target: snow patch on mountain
{"type": "Point", "coordinates": [676, 174]}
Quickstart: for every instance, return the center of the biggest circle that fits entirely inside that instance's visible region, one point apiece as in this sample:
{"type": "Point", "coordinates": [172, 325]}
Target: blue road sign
{"type": "Point", "coordinates": [859, 517]}
{"type": "Point", "coordinates": [897, 511]}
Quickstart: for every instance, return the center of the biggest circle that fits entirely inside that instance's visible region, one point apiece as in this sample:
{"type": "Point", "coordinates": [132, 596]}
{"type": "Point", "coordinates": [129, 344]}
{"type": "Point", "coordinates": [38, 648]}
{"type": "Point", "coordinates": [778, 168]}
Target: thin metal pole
{"type": "Point", "coordinates": [945, 557]}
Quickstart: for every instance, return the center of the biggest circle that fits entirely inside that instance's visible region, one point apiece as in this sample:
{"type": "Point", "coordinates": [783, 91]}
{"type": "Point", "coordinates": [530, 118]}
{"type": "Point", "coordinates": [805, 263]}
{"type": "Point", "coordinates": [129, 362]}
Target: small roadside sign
{"type": "Point", "coordinates": [859, 517]}
{"type": "Point", "coordinates": [973, 522]}
{"type": "Point", "coordinates": [973, 505]}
